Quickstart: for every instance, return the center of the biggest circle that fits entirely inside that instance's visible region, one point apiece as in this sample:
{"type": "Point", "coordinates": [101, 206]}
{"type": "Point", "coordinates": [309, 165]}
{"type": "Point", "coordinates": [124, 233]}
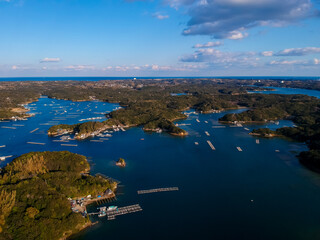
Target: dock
{"type": "Point", "coordinates": [123, 210]}
{"type": "Point", "coordinates": [158, 190]}
{"type": "Point", "coordinates": [36, 143]}
{"type": "Point", "coordinates": [211, 145]}
{"type": "Point", "coordinates": [69, 145]}
{"type": "Point", "coordinates": [239, 149]}
{"type": "Point", "coordinates": [34, 130]}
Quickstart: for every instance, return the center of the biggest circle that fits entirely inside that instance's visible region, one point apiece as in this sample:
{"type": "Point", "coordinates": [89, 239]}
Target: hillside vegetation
{"type": "Point", "coordinates": [33, 195]}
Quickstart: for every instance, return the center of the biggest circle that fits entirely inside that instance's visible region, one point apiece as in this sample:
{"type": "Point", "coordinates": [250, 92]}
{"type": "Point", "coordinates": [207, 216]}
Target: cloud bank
{"type": "Point", "coordinates": [231, 18]}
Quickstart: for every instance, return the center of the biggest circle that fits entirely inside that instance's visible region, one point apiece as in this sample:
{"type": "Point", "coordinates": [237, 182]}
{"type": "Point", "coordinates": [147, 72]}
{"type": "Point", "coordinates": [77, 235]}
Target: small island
{"type": "Point", "coordinates": [121, 162]}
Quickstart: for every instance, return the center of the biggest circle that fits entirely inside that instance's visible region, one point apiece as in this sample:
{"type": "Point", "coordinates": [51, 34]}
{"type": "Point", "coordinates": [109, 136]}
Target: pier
{"type": "Point", "coordinates": [211, 145]}
{"type": "Point", "coordinates": [123, 210]}
{"type": "Point", "coordinates": [158, 190]}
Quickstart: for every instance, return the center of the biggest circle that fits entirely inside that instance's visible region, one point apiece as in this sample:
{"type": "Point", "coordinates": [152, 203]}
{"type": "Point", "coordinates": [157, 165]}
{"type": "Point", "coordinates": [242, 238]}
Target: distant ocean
{"type": "Point", "coordinates": [139, 78]}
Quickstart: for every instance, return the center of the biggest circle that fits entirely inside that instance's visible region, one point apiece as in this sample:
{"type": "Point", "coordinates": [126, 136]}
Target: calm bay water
{"type": "Point", "coordinates": [224, 194]}
{"type": "Point", "coordinates": [277, 90]}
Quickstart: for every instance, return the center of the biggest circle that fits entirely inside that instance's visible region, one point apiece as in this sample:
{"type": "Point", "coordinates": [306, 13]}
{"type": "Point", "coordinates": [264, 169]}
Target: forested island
{"type": "Point", "coordinates": [34, 192]}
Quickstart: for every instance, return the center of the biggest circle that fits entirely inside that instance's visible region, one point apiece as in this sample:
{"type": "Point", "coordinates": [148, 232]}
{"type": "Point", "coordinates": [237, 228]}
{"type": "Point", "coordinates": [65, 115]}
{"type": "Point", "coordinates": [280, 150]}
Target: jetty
{"type": "Point", "coordinates": [34, 130]}
{"type": "Point", "coordinates": [158, 190]}
{"type": "Point", "coordinates": [211, 145]}
{"type": "Point", "coordinates": [123, 210]}
{"type": "Point", "coordinates": [239, 149]}
{"type": "Point", "coordinates": [36, 143]}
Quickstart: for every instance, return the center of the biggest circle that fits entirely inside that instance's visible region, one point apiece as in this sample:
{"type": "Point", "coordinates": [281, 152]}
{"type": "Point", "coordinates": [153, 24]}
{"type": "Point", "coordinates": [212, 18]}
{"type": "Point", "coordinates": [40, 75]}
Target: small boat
{"type": "Point", "coordinates": [112, 208]}
{"type": "Point", "coordinates": [102, 214]}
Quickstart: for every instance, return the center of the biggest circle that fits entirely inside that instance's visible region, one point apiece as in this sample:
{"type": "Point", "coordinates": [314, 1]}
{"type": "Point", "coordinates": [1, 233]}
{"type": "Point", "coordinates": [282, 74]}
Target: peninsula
{"type": "Point", "coordinates": [34, 193]}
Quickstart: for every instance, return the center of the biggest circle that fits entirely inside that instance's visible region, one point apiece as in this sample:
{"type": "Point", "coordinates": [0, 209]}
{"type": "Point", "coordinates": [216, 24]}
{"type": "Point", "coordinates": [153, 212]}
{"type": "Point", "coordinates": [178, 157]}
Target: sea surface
{"type": "Point", "coordinates": [260, 193]}
{"type": "Point", "coordinates": [278, 90]}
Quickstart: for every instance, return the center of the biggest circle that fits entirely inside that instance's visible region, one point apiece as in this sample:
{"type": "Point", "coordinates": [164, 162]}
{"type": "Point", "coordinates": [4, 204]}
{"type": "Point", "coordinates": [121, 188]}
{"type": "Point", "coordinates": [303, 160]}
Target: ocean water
{"type": "Point", "coordinates": [259, 193]}
{"type": "Point", "coordinates": [278, 90]}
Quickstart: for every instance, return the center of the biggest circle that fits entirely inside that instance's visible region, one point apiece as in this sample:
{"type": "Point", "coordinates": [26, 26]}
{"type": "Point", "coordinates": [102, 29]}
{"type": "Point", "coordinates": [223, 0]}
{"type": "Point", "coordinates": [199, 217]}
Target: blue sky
{"type": "Point", "coordinates": [159, 38]}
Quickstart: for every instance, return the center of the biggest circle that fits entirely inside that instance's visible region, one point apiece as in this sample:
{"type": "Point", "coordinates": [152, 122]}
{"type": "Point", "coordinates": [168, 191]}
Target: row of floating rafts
{"type": "Point", "coordinates": [183, 124]}
{"type": "Point", "coordinates": [89, 119]}
{"type": "Point", "coordinates": [36, 143]}
{"type": "Point", "coordinates": [104, 135]}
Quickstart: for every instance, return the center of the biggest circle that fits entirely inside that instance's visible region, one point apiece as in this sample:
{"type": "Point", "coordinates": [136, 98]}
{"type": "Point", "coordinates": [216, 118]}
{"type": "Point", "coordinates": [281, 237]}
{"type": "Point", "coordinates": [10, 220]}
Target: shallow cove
{"type": "Point", "coordinates": [216, 187]}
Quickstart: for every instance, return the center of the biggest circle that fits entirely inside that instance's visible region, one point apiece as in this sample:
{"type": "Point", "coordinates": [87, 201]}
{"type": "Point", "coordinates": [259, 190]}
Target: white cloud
{"type": "Point", "coordinates": [286, 62]}
{"type": "Point", "coordinates": [298, 51]}
{"type": "Point", "coordinates": [236, 35]}
{"type": "Point", "coordinates": [231, 18]}
{"type": "Point", "coordinates": [160, 16]}
{"type": "Point", "coordinates": [50, 60]}
{"type": "Point", "coordinates": [208, 44]}
{"type": "Point", "coordinates": [222, 59]}
{"type": "Point", "coordinates": [79, 67]}
{"type": "Point", "coordinates": [267, 53]}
